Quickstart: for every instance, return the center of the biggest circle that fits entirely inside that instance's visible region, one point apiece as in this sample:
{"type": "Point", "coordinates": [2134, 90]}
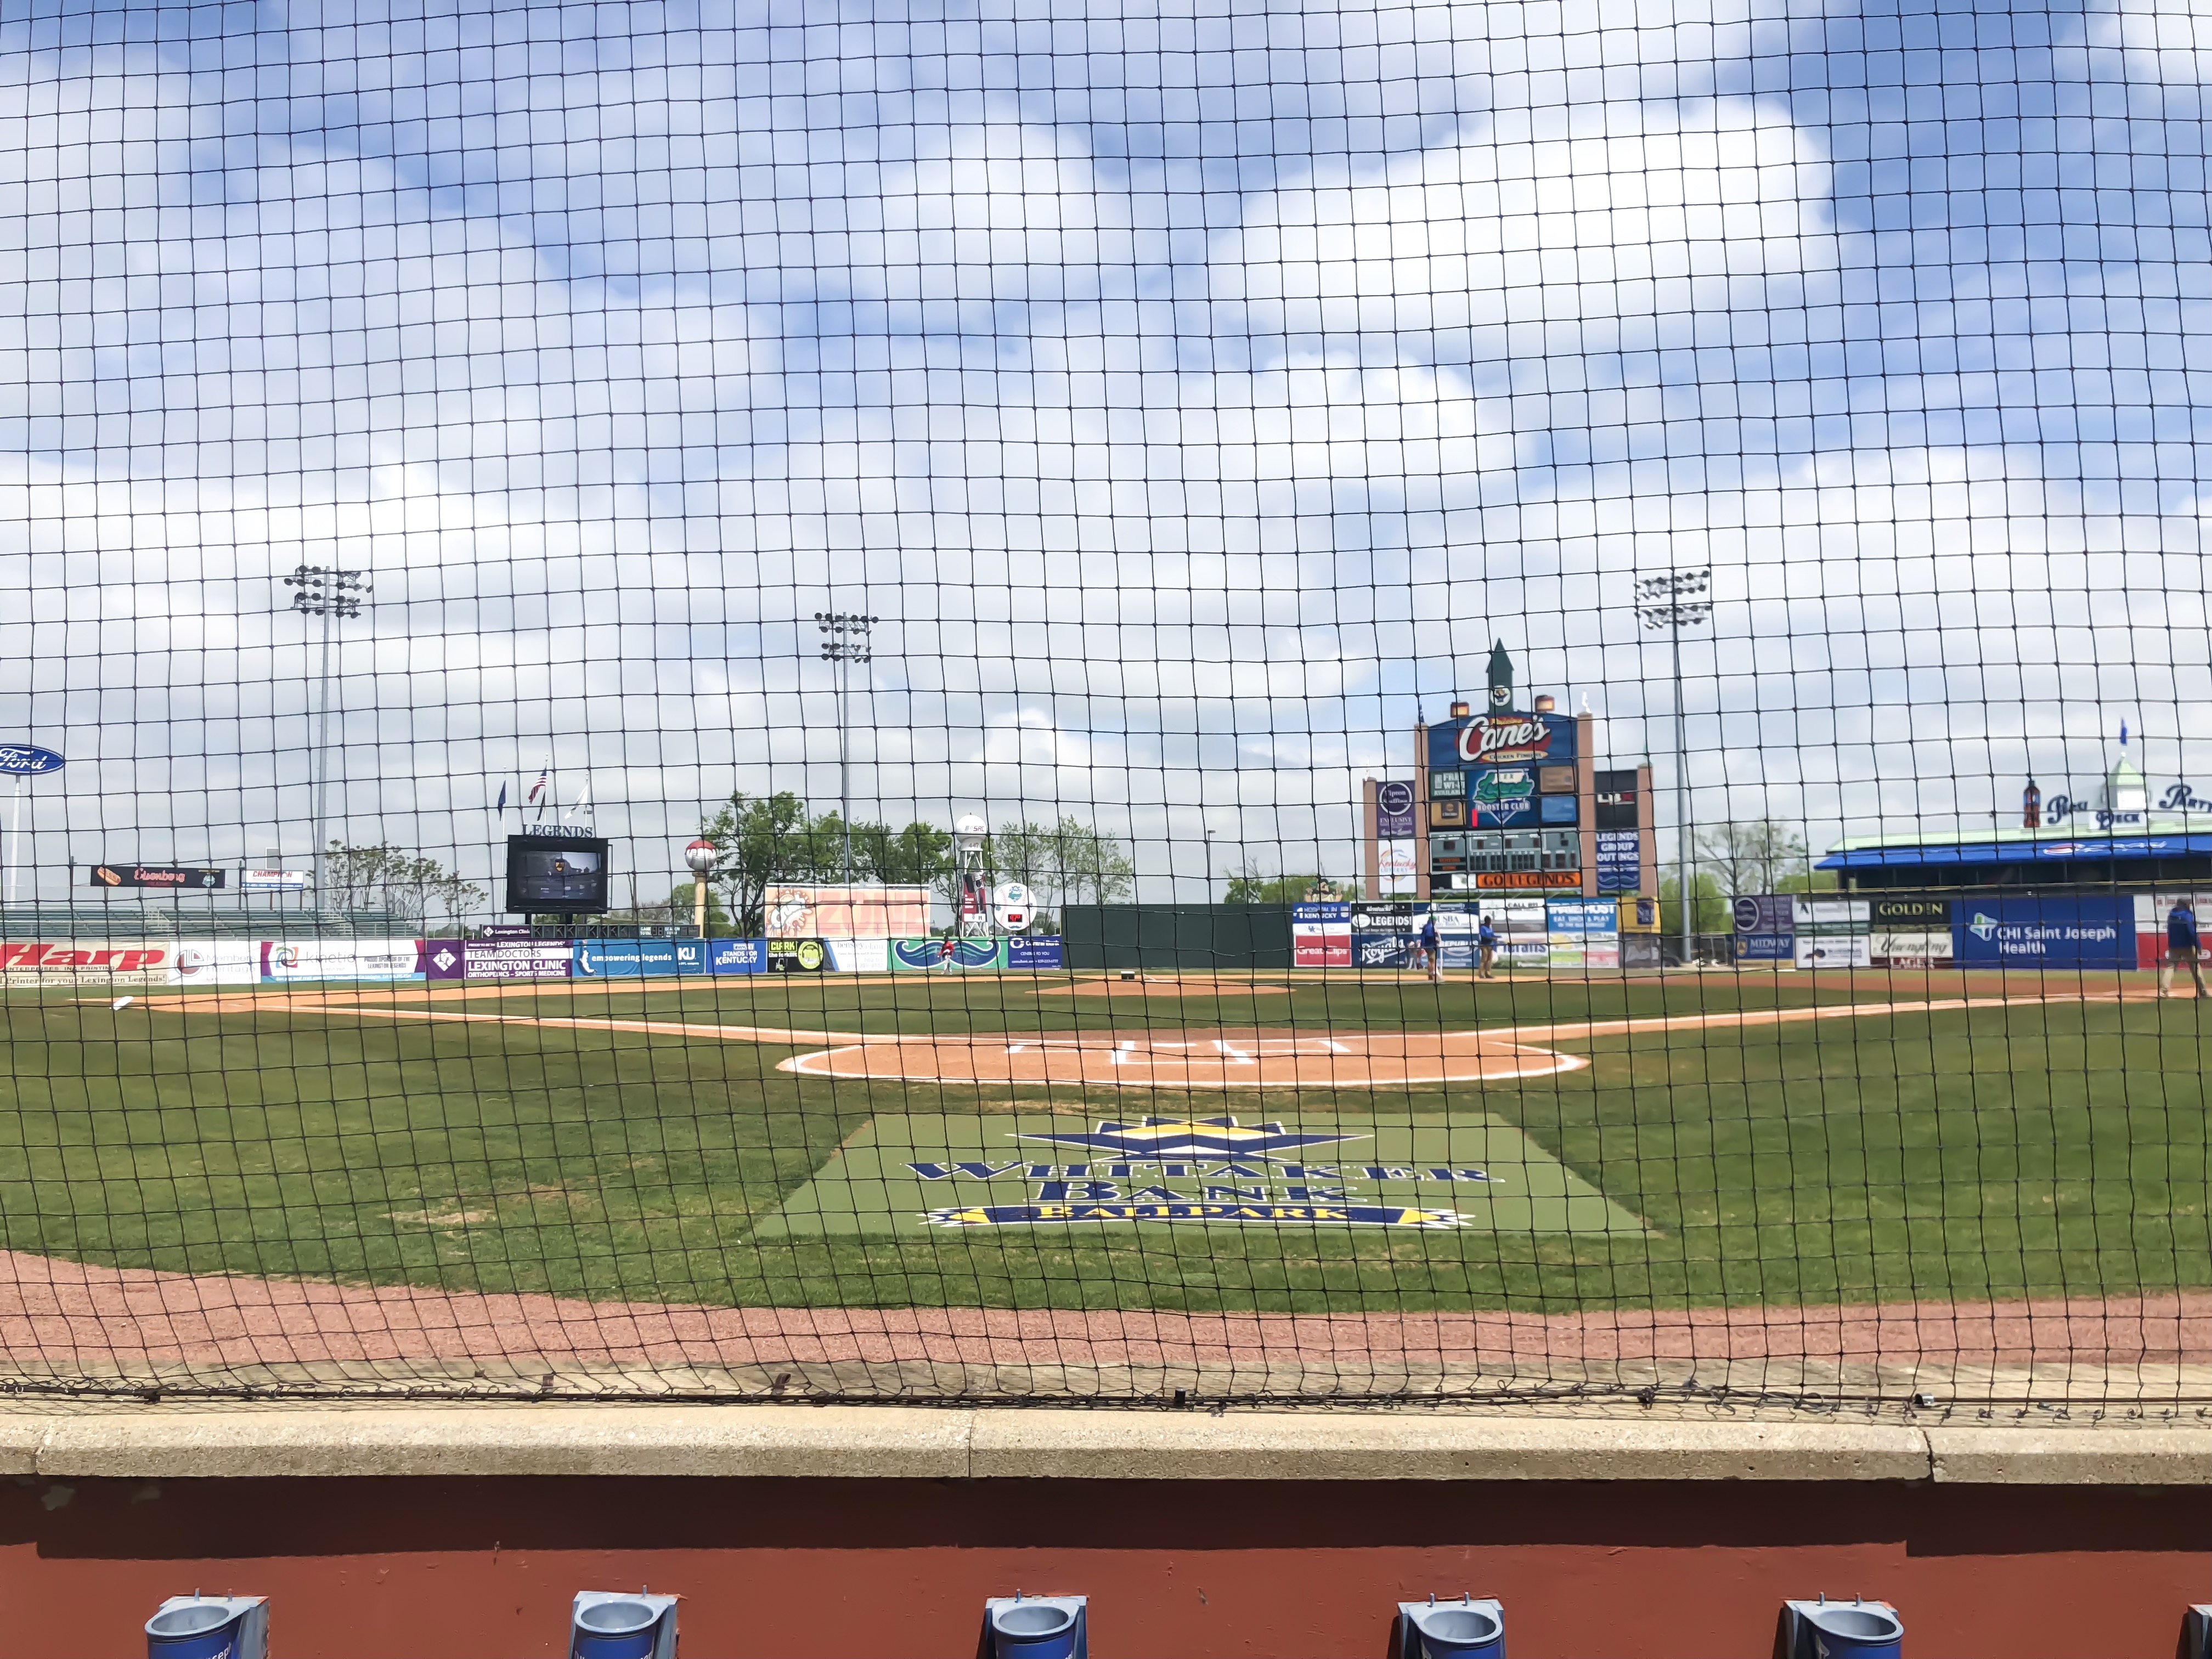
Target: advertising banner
{"type": "Point", "coordinates": [1395, 814]}
{"type": "Point", "coordinates": [1501, 740]}
{"type": "Point", "coordinates": [1525, 952]}
{"type": "Point", "coordinates": [343, 959]}
{"type": "Point", "coordinates": [1830, 916]}
{"type": "Point", "coordinates": [1832, 950]}
{"type": "Point", "coordinates": [1036, 955]}
{"type": "Point", "coordinates": [929, 955]}
{"type": "Point", "coordinates": [445, 958]}
{"type": "Point", "coordinates": [1321, 912]}
{"type": "Point", "coordinates": [180, 878]}
{"type": "Point", "coordinates": [1396, 864]}
{"type": "Point", "coordinates": [1763, 912]}
{"type": "Point", "coordinates": [862, 910]}
{"type": "Point", "coordinates": [1582, 917]}
{"type": "Point", "coordinates": [2049, 931]}
{"type": "Point", "coordinates": [1620, 860]}
{"type": "Point", "coordinates": [626, 958]}
{"type": "Point", "coordinates": [737, 955]}
{"type": "Point", "coordinates": [216, 962]}
{"type": "Point", "coordinates": [1765, 947]}
{"type": "Point", "coordinates": [1382, 950]}
{"type": "Point", "coordinates": [1913, 950]}
{"type": "Point", "coordinates": [1555, 809]}
{"type": "Point", "coordinates": [1566, 951]}
{"type": "Point", "coordinates": [1527, 917]}
{"type": "Point", "coordinates": [1319, 945]}
{"type": "Point", "coordinates": [1910, 915]}
{"type": "Point", "coordinates": [535, 958]}
{"type": "Point", "coordinates": [1500, 797]}
{"type": "Point", "coordinates": [797, 955]}
{"type": "Point", "coordinates": [79, 964]}
{"type": "Point", "coordinates": [272, 881]}
{"type": "Point", "coordinates": [859, 956]}
{"type": "Point", "coordinates": [1638, 915]}
{"type": "Point", "coordinates": [1447, 786]}
{"type": "Point", "coordinates": [1402, 916]}
{"type": "Point", "coordinates": [1602, 951]}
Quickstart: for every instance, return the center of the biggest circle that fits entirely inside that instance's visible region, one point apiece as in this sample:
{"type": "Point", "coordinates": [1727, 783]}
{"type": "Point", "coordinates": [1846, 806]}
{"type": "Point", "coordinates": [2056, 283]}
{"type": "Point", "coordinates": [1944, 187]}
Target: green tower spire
{"type": "Point", "coordinates": [1501, 679]}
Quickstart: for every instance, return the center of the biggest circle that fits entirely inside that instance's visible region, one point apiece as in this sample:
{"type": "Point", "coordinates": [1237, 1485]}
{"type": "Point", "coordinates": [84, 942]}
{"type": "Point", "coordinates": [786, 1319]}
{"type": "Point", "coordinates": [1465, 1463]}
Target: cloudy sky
{"type": "Point", "coordinates": [1193, 397]}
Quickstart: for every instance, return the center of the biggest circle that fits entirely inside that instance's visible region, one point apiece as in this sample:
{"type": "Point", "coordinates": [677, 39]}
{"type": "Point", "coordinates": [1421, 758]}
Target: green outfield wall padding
{"type": "Point", "coordinates": [1181, 936]}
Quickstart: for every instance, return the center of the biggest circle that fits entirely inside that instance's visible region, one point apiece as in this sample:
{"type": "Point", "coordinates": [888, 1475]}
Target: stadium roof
{"type": "Point", "coordinates": [2175, 837]}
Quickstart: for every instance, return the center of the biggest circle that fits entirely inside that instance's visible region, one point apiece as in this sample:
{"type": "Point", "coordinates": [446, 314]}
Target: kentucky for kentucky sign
{"type": "Point", "coordinates": [926, 1174]}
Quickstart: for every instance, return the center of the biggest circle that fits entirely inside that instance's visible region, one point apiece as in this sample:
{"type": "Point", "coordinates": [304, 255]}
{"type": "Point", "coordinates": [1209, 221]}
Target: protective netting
{"type": "Point", "coordinates": [1477, 700]}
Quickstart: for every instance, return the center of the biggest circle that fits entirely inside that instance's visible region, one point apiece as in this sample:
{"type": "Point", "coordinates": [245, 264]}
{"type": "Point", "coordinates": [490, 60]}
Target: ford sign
{"type": "Point", "coordinates": [28, 760]}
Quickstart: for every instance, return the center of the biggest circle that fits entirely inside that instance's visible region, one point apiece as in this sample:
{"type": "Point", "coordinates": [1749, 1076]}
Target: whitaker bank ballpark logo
{"type": "Point", "coordinates": [1156, 1143]}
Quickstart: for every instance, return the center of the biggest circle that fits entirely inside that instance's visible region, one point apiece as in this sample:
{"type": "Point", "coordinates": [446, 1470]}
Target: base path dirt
{"type": "Point", "coordinates": [1278, 1059]}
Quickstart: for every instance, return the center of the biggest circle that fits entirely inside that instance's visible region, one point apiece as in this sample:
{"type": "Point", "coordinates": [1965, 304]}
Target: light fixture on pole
{"type": "Point", "coordinates": [331, 594]}
{"type": "Point", "coordinates": [845, 639]}
{"type": "Point", "coordinates": [700, 856]}
{"type": "Point", "coordinates": [1673, 602]}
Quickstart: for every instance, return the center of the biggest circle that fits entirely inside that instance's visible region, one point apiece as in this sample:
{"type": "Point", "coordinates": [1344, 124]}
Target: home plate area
{"type": "Point", "coordinates": [1195, 1060]}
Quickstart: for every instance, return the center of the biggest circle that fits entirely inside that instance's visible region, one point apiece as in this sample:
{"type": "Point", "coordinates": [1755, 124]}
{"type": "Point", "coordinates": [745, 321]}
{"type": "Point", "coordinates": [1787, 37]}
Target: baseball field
{"type": "Point", "coordinates": [1288, 1143]}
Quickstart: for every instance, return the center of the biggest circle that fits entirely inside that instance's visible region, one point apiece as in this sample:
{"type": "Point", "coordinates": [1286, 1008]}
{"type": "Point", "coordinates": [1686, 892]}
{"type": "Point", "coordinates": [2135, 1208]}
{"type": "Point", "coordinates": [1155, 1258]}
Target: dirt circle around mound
{"type": "Point", "coordinates": [1161, 987]}
{"type": "Point", "coordinates": [1283, 1059]}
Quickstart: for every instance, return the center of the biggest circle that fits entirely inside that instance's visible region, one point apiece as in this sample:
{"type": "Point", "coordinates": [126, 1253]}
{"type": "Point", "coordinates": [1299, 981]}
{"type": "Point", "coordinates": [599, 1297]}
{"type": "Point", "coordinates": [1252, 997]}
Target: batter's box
{"type": "Point", "coordinates": [923, 1174]}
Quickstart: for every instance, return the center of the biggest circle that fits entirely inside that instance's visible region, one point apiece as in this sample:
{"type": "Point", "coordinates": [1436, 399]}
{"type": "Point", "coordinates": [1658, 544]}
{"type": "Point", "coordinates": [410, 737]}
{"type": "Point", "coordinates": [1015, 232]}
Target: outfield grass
{"type": "Point", "coordinates": [1994, 1152]}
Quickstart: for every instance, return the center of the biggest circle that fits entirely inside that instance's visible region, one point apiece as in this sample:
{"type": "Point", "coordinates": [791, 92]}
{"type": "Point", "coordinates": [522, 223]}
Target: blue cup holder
{"type": "Point", "coordinates": [1034, 1630]}
{"type": "Point", "coordinates": [1461, 1632]}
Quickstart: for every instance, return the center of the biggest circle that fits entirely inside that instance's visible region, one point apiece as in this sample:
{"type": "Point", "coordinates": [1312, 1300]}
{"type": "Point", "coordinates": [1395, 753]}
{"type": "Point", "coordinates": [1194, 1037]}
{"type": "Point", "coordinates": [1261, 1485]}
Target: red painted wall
{"type": "Point", "coordinates": [474, 1569]}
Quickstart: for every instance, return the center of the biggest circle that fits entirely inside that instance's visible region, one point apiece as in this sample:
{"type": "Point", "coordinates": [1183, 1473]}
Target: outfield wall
{"type": "Point", "coordinates": [836, 1533]}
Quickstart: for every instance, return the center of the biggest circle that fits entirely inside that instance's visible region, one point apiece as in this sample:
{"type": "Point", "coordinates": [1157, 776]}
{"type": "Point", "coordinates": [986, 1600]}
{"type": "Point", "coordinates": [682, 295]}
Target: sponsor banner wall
{"type": "Point", "coordinates": [1765, 947]}
{"type": "Point", "coordinates": [343, 959]}
{"type": "Point", "coordinates": [837, 911]}
{"type": "Point", "coordinates": [1339, 914]}
{"type": "Point", "coordinates": [737, 955]}
{"type": "Point", "coordinates": [1507, 740]}
{"type": "Point", "coordinates": [2048, 931]}
{"type": "Point", "coordinates": [1045, 954]}
{"type": "Point", "coordinates": [1830, 916]}
{"type": "Point", "coordinates": [78, 961]}
{"type": "Point", "coordinates": [1519, 916]}
{"type": "Point", "coordinates": [859, 956]}
{"type": "Point", "coordinates": [1764, 912]}
{"type": "Point", "coordinates": [1394, 810]}
{"type": "Point", "coordinates": [1832, 950]}
{"type": "Point", "coordinates": [927, 955]}
{"type": "Point", "coordinates": [1567, 952]}
{"type": "Point", "coordinates": [1526, 951]}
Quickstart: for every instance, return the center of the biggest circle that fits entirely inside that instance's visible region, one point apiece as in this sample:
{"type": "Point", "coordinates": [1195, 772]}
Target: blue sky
{"type": "Point", "coordinates": [1195, 396]}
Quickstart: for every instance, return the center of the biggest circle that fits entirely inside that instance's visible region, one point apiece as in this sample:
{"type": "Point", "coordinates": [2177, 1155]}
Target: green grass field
{"type": "Point", "coordinates": [1992, 1151]}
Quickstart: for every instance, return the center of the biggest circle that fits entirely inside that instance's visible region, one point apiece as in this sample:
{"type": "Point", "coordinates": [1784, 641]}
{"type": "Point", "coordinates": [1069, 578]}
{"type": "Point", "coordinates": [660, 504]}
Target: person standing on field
{"type": "Point", "coordinates": [1486, 945]}
{"type": "Point", "coordinates": [1432, 950]}
{"type": "Point", "coordinates": [2182, 946]}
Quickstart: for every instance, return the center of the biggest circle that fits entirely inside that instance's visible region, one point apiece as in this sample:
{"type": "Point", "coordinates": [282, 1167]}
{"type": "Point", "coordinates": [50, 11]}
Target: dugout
{"type": "Point", "coordinates": [1192, 938]}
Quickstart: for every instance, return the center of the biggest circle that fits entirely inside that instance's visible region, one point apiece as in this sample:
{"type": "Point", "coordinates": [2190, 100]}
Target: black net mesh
{"type": "Point", "coordinates": [1473, 701]}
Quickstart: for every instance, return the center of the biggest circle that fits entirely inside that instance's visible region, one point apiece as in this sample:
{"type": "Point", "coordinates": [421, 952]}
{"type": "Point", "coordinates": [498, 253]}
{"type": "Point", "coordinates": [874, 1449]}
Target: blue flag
{"type": "Point", "coordinates": [502, 798]}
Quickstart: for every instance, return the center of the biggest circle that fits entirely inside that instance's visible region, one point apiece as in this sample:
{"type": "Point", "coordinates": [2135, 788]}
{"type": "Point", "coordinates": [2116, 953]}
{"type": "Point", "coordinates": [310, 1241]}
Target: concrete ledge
{"type": "Point", "coordinates": [895, 1442]}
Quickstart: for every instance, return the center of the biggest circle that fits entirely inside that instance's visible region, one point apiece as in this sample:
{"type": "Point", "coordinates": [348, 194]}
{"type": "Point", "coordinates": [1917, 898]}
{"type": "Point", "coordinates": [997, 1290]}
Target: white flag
{"type": "Point", "coordinates": [581, 809]}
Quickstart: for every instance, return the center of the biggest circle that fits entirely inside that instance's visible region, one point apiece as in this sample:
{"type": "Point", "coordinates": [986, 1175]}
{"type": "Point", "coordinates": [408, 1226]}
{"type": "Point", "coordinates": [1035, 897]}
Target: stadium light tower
{"type": "Point", "coordinates": [1675, 601]}
{"type": "Point", "coordinates": [331, 594]}
{"type": "Point", "coordinates": [845, 640]}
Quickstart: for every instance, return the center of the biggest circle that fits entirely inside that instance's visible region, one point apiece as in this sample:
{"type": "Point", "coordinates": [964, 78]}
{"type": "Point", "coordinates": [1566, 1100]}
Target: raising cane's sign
{"type": "Point", "coordinates": [1502, 740]}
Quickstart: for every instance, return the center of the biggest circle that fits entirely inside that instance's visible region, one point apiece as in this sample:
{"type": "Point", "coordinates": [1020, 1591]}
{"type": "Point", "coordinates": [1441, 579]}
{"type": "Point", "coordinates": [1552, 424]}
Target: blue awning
{"type": "Point", "coordinates": [2101, 848]}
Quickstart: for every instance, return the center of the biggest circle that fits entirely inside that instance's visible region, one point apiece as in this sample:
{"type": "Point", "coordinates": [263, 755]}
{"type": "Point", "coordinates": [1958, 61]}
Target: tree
{"type": "Point", "coordinates": [390, 878]}
{"type": "Point", "coordinates": [912, 857]}
{"type": "Point", "coordinates": [1753, 857]}
{"type": "Point", "coordinates": [1709, 909]}
{"type": "Point", "coordinates": [761, 839]}
{"type": "Point", "coordinates": [1091, 863]}
{"type": "Point", "coordinates": [1248, 889]}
